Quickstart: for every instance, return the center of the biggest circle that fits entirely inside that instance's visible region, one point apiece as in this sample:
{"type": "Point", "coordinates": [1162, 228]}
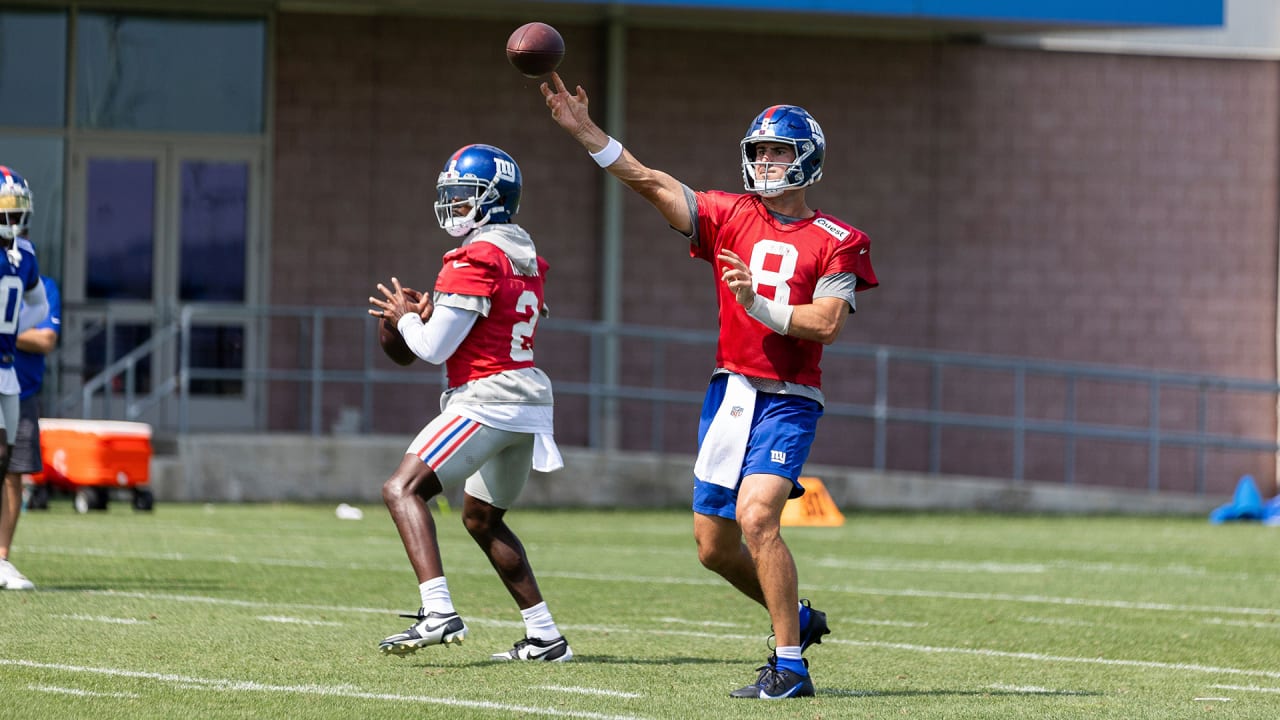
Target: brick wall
{"type": "Point", "coordinates": [1079, 207]}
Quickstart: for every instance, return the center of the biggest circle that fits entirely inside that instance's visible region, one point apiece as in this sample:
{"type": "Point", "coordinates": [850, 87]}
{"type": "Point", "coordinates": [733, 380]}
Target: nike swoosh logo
{"type": "Point", "coordinates": [431, 628]}
{"type": "Point", "coordinates": [458, 264]}
{"type": "Point", "coordinates": [864, 252]}
{"type": "Point", "coordinates": [537, 652]}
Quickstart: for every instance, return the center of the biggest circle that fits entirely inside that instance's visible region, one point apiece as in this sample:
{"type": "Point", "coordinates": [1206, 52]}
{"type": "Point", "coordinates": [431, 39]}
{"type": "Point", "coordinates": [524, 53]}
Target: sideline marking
{"type": "Point", "coordinates": [221, 685]}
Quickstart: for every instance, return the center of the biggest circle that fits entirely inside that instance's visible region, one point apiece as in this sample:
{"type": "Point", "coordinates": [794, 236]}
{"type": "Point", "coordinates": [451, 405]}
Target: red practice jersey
{"type": "Point", "coordinates": [503, 340]}
{"type": "Point", "coordinates": [786, 261]}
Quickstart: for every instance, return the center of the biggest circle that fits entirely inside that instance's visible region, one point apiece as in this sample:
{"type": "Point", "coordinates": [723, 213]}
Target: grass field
{"type": "Point", "coordinates": [275, 611]}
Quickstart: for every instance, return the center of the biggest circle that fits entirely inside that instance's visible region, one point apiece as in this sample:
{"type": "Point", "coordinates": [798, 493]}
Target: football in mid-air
{"type": "Point", "coordinates": [393, 344]}
{"type": "Point", "coordinates": [535, 49]}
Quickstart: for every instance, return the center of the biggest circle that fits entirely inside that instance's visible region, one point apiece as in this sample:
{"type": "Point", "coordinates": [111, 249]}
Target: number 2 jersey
{"type": "Point", "coordinates": [787, 260]}
{"type": "Point", "coordinates": [497, 274]}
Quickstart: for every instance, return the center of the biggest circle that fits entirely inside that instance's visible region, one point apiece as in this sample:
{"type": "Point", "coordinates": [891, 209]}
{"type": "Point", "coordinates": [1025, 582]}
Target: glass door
{"type": "Point", "coordinates": [154, 227]}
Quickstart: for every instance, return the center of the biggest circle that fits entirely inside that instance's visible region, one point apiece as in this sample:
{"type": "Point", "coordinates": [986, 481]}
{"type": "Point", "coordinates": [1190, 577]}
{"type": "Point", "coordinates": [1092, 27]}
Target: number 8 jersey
{"type": "Point", "coordinates": [787, 260]}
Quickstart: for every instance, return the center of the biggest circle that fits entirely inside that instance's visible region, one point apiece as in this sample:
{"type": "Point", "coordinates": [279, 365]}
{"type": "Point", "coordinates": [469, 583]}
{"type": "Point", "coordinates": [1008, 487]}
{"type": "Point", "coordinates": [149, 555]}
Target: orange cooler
{"type": "Point", "coordinates": [103, 453]}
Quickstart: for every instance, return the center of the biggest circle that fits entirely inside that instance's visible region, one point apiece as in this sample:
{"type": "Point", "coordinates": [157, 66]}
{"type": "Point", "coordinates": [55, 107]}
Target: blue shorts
{"type": "Point", "coordinates": [782, 430]}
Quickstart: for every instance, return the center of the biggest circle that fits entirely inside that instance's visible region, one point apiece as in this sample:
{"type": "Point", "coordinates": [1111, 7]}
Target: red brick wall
{"type": "Point", "coordinates": [1076, 207]}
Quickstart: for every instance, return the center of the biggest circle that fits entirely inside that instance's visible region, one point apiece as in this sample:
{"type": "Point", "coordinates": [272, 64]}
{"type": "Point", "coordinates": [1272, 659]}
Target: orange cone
{"type": "Point", "coordinates": [815, 508]}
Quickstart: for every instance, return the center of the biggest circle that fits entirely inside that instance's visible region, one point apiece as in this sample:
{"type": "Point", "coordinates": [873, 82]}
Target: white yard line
{"type": "Point", "coordinates": [1041, 657]}
{"type": "Point", "coordinates": [908, 647]}
{"type": "Point", "coordinates": [699, 623]}
{"type": "Point", "coordinates": [237, 686]}
{"type": "Point", "coordinates": [1242, 623]}
{"type": "Point", "coordinates": [707, 581]}
{"type": "Point", "coordinates": [1045, 600]}
{"type": "Point", "coordinates": [1033, 690]}
{"type": "Point", "coordinates": [588, 691]}
{"type": "Point", "coordinates": [1247, 688]}
{"type": "Point", "coordinates": [889, 564]}
{"type": "Point", "coordinates": [1057, 621]}
{"type": "Point", "coordinates": [296, 621]}
{"type": "Point", "coordinates": [884, 623]}
{"type": "Point", "coordinates": [102, 619]}
{"type": "Point", "coordinates": [80, 693]}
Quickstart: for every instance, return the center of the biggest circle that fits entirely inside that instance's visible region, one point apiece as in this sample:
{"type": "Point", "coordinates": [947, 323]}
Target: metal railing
{"type": "Point", "coordinates": [109, 392]}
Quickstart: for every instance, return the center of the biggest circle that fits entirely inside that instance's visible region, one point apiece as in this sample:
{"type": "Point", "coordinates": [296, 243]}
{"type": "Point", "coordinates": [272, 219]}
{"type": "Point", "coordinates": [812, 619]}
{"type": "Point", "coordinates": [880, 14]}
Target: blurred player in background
{"type": "Point", "coordinates": [29, 362]}
{"type": "Point", "coordinates": [496, 416]}
{"type": "Point", "coordinates": [786, 277]}
{"type": "Point", "coordinates": [20, 286]}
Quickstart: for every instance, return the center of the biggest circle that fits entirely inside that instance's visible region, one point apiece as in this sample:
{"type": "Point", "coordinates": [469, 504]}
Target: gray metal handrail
{"type": "Point", "coordinates": [881, 411]}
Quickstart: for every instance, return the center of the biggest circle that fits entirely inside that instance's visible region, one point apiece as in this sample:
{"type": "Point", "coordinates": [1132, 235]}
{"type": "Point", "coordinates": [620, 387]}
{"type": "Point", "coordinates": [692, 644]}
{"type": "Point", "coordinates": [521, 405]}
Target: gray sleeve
{"type": "Point", "coordinates": [474, 303]}
{"type": "Point", "coordinates": [692, 200]}
{"type": "Point", "coordinates": [839, 285]}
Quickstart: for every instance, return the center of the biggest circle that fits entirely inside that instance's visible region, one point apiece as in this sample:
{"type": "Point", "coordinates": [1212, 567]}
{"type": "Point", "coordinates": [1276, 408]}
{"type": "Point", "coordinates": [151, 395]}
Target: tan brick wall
{"type": "Point", "coordinates": [1076, 207]}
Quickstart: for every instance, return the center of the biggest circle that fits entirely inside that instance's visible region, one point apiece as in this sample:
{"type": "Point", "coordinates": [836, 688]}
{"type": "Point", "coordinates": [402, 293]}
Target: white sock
{"type": "Point", "coordinates": [538, 623]}
{"type": "Point", "coordinates": [788, 652]}
{"type": "Point", "coordinates": [435, 596]}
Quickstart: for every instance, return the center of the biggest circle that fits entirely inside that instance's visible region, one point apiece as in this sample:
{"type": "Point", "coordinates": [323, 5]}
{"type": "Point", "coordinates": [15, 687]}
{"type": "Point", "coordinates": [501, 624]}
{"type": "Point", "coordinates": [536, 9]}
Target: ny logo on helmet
{"type": "Point", "coordinates": [505, 169]}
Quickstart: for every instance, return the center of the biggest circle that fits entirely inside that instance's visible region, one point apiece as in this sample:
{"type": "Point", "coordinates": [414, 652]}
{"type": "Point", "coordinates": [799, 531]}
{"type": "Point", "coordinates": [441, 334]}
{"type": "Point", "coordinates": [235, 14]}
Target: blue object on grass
{"type": "Point", "coordinates": [1271, 512]}
{"type": "Point", "coordinates": [1245, 505]}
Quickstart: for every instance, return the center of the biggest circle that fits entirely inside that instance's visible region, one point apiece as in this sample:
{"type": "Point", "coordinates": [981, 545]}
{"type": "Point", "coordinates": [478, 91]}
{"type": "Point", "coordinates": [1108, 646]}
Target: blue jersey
{"type": "Point", "coordinates": [30, 366]}
{"type": "Point", "coordinates": [15, 281]}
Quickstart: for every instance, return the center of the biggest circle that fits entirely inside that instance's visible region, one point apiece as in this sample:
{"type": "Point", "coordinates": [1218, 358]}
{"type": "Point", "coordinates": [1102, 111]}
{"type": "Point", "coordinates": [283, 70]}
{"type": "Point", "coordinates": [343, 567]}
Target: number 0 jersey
{"type": "Point", "coordinates": [497, 264]}
{"type": "Point", "coordinates": [786, 261]}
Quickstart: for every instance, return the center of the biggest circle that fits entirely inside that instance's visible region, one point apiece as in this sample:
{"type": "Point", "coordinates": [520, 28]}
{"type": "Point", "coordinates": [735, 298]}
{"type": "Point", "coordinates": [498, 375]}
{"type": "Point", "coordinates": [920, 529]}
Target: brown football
{"type": "Point", "coordinates": [535, 49]}
{"type": "Point", "coordinates": [393, 344]}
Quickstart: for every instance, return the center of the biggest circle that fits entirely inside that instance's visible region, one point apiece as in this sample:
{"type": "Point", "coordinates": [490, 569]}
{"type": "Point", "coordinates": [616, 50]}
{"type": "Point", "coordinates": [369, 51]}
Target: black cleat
{"type": "Point", "coordinates": [812, 633]}
{"type": "Point", "coordinates": [534, 649]}
{"type": "Point", "coordinates": [777, 683]}
{"type": "Point", "coordinates": [431, 629]}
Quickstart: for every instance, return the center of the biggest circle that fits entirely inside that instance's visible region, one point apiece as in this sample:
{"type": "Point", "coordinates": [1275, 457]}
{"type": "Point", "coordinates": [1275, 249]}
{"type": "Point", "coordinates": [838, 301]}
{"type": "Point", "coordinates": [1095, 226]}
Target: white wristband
{"type": "Point", "coordinates": [609, 154]}
{"type": "Point", "coordinates": [774, 315]}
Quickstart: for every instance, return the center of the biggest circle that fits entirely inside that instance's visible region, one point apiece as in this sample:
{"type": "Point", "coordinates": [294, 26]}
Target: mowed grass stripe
{"type": "Point", "coordinates": [935, 617]}
{"type": "Point", "coordinates": [749, 638]}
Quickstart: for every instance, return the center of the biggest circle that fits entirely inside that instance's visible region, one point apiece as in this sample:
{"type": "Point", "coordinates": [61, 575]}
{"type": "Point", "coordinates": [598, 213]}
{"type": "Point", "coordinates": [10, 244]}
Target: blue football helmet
{"type": "Point", "coordinates": [790, 125]}
{"type": "Point", "coordinates": [479, 185]}
{"type": "Point", "coordinates": [15, 204]}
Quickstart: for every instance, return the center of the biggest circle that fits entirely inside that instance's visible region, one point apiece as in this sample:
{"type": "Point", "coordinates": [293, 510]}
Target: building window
{"type": "Point", "coordinates": [33, 69]}
{"type": "Point", "coordinates": [170, 74]}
